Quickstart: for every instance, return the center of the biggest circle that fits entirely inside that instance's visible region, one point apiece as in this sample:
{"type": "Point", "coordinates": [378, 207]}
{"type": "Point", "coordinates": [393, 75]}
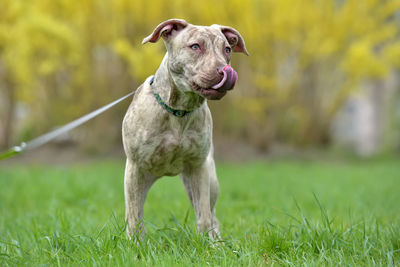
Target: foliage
{"type": "Point", "coordinates": [63, 58]}
{"type": "Point", "coordinates": [271, 213]}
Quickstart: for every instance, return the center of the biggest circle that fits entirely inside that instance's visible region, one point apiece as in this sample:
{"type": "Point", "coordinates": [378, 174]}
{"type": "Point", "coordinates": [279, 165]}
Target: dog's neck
{"type": "Point", "coordinates": [171, 94]}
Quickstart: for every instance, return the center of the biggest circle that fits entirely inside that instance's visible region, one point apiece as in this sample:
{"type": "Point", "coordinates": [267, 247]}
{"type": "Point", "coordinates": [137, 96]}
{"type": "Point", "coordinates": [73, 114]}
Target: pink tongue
{"type": "Point", "coordinates": [229, 79]}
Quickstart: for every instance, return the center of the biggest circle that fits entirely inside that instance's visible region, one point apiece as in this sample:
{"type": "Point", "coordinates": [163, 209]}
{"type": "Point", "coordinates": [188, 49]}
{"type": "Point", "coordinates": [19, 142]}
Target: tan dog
{"type": "Point", "coordinates": [167, 129]}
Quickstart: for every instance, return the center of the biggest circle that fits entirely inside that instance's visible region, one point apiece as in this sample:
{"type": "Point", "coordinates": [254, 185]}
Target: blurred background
{"type": "Point", "coordinates": [322, 74]}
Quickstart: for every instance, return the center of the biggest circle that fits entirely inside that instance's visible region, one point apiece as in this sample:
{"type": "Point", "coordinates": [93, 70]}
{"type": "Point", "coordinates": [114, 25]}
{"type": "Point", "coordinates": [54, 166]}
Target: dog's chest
{"type": "Point", "coordinates": [171, 151]}
{"type": "Point", "coordinates": [162, 144]}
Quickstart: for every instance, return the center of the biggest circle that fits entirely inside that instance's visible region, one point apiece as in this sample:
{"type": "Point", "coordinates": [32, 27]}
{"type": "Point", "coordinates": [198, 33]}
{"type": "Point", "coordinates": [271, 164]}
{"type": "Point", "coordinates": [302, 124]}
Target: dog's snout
{"type": "Point", "coordinates": [228, 80]}
{"type": "Point", "coordinates": [220, 71]}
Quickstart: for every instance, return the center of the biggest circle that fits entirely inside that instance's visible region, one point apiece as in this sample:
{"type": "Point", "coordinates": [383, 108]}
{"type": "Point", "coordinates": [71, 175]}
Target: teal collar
{"type": "Point", "coordinates": [175, 112]}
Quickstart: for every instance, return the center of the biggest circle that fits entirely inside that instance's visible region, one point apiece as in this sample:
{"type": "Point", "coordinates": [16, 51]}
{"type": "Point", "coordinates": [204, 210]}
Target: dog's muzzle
{"type": "Point", "coordinates": [229, 79]}
{"type": "Point", "coordinates": [217, 91]}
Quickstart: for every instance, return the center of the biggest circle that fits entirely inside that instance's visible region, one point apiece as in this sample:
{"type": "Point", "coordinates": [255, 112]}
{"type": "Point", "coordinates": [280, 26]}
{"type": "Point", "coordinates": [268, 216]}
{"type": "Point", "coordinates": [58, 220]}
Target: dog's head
{"type": "Point", "coordinates": [199, 56]}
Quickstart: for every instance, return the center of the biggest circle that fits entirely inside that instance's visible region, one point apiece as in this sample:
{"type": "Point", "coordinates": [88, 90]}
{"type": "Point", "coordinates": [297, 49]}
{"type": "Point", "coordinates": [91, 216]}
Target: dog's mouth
{"type": "Point", "coordinates": [209, 93]}
{"type": "Point", "coordinates": [217, 91]}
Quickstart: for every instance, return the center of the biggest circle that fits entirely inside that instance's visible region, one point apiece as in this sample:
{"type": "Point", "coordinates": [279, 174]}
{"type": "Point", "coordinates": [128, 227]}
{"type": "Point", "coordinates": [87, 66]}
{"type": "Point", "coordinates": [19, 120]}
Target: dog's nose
{"type": "Point", "coordinates": [220, 71]}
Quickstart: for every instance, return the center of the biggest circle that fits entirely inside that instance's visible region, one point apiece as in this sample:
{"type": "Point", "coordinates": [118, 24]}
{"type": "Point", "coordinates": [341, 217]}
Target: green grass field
{"type": "Point", "coordinates": [280, 212]}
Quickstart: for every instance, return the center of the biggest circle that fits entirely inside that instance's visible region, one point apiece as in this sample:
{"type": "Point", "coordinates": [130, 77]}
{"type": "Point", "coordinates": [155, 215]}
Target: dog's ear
{"type": "Point", "coordinates": [234, 38]}
{"type": "Point", "coordinates": [166, 29]}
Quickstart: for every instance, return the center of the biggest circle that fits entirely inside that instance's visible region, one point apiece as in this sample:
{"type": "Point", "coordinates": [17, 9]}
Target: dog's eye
{"type": "Point", "coordinates": [195, 47]}
{"type": "Point", "coordinates": [228, 49]}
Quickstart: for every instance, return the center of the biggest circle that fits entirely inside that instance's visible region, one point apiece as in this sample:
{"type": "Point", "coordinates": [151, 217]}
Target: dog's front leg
{"type": "Point", "coordinates": [136, 186]}
{"type": "Point", "coordinates": [197, 183]}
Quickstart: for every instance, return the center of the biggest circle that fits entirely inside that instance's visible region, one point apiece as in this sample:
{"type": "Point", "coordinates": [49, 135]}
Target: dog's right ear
{"type": "Point", "coordinates": [166, 29]}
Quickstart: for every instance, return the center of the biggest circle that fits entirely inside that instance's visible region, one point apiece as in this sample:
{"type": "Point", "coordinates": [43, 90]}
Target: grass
{"type": "Point", "coordinates": [280, 212]}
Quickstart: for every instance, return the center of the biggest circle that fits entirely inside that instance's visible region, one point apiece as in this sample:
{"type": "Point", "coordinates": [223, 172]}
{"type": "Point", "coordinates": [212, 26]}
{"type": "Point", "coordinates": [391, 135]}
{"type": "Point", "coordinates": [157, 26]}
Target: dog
{"type": "Point", "coordinates": [167, 129]}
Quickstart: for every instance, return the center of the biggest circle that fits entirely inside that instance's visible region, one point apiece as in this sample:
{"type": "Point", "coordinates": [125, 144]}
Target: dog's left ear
{"type": "Point", "coordinates": [234, 38]}
{"type": "Point", "coordinates": [166, 29]}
